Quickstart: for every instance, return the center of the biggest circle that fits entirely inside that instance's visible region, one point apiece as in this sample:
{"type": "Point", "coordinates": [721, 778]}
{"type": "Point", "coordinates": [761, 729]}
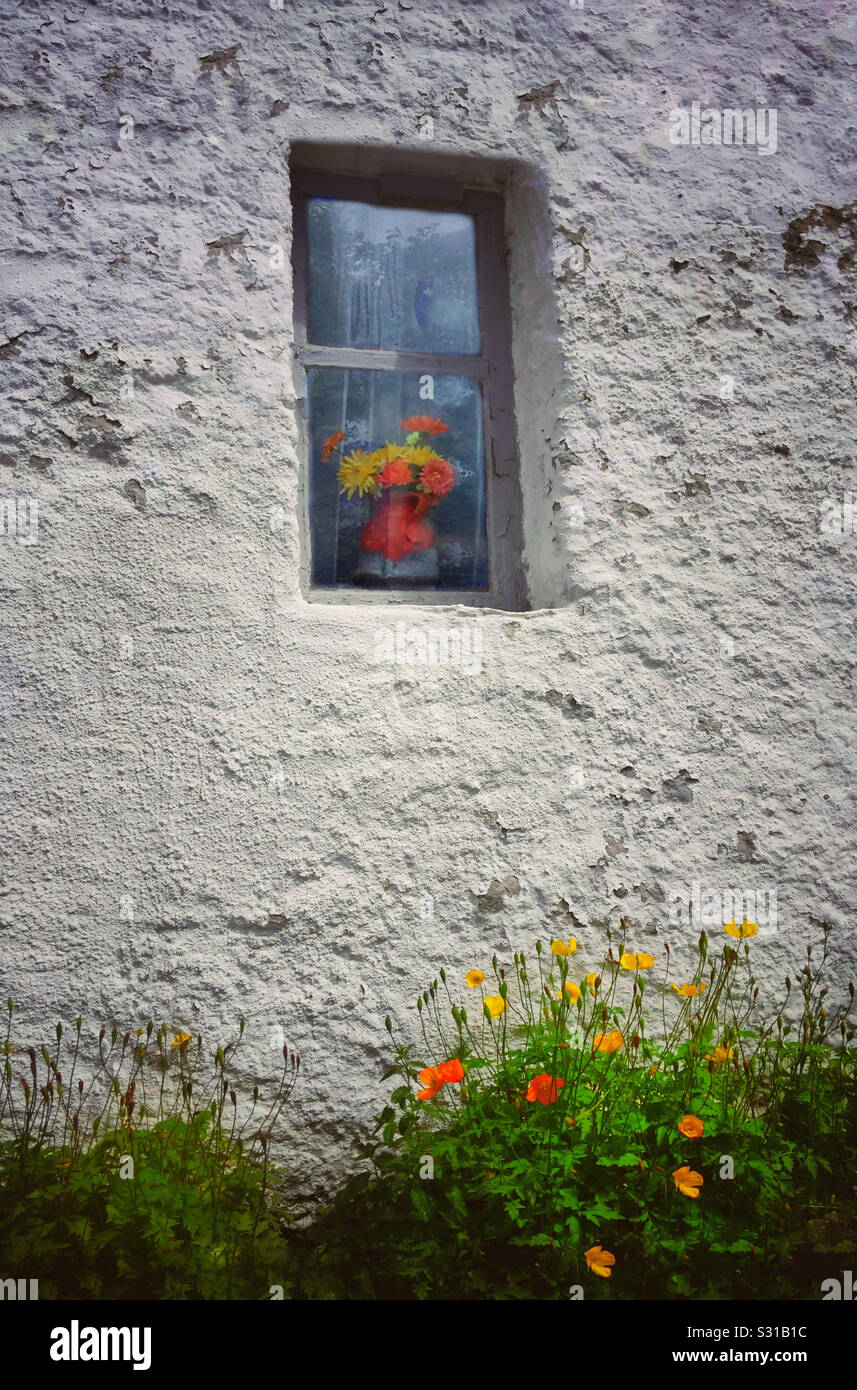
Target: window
{"type": "Point", "coordinates": [402, 340]}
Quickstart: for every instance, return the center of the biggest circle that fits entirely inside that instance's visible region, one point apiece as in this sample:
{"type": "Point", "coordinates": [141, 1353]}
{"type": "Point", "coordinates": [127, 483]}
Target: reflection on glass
{"type": "Point", "coordinates": [397, 483]}
{"type": "Point", "coordinates": [395, 278]}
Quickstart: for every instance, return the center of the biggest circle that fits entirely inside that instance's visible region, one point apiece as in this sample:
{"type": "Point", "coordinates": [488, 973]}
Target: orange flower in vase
{"type": "Point", "coordinates": [331, 443]}
{"type": "Point", "coordinates": [396, 473]}
{"type": "Point", "coordinates": [424, 424]}
{"type": "Point", "coordinates": [437, 478]}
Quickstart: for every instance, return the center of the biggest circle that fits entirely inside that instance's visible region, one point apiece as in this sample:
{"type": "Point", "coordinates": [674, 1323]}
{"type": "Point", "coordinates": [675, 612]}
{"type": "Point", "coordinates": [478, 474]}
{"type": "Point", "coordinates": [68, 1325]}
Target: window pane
{"type": "Point", "coordinates": [396, 278]}
{"type": "Point", "coordinates": [389, 533]}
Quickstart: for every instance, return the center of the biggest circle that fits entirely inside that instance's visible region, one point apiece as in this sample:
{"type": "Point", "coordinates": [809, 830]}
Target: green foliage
{"type": "Point", "coordinates": [555, 1117]}
{"type": "Point", "coordinates": [522, 1190]}
{"type": "Point", "coordinates": [143, 1184]}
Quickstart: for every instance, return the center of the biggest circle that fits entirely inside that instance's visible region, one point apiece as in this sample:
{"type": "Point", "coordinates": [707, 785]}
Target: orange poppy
{"type": "Point", "coordinates": [608, 1042]}
{"type": "Point", "coordinates": [435, 1077]}
{"type": "Point", "coordinates": [330, 444]}
{"type": "Point", "coordinates": [691, 1127]}
{"type": "Point", "coordinates": [424, 424]}
{"type": "Point", "coordinates": [544, 1088]}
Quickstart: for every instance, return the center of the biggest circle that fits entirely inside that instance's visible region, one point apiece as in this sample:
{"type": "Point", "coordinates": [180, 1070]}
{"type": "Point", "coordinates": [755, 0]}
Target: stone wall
{"type": "Point", "coordinates": [217, 802]}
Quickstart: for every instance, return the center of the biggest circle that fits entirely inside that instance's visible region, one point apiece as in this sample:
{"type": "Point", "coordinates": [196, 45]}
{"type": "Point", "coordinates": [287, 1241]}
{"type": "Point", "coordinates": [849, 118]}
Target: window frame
{"type": "Point", "coordinates": [491, 366]}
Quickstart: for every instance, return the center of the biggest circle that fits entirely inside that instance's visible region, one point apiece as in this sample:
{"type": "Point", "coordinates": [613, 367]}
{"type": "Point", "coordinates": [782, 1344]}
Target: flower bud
{"type": "Point", "coordinates": [233, 1098]}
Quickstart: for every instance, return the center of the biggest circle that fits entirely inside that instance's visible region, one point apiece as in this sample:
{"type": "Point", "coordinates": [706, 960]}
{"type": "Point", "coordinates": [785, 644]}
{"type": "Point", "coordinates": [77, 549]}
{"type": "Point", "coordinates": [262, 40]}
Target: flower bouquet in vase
{"type": "Point", "coordinates": [404, 482]}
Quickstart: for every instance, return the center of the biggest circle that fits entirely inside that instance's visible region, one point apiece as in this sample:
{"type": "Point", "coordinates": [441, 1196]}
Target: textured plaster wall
{"type": "Point", "coordinates": [216, 803]}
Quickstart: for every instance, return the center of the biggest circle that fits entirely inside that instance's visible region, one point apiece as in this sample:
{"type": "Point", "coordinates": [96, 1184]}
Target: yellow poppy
{"type": "Point", "coordinates": [746, 929]}
{"type": "Point", "coordinates": [592, 979]}
{"type": "Point", "coordinates": [560, 948]}
{"type": "Point", "coordinates": [721, 1054]}
{"type": "Point", "coordinates": [688, 1181]}
{"type": "Point", "coordinates": [600, 1261]}
{"type": "Point", "coordinates": [608, 1042]}
{"type": "Point", "coordinates": [572, 990]}
{"type": "Point", "coordinates": [495, 1004]}
{"type": "Point", "coordinates": [690, 991]}
{"type": "Point", "coordinates": [180, 1039]}
{"type": "Point", "coordinates": [473, 978]}
{"type": "Point", "coordinates": [636, 960]}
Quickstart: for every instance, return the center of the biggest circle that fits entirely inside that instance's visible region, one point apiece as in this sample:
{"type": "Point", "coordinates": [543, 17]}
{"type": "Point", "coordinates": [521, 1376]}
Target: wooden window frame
{"type": "Point", "coordinates": [491, 367]}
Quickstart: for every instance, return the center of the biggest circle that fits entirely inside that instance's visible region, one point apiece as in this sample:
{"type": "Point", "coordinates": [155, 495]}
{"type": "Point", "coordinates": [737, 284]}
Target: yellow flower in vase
{"type": "Point", "coordinates": [357, 473]}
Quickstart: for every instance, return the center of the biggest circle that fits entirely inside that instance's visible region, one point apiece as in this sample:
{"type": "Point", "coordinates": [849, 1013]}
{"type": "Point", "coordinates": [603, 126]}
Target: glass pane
{"type": "Point", "coordinates": [396, 278]}
{"type": "Point", "coordinates": [411, 515]}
